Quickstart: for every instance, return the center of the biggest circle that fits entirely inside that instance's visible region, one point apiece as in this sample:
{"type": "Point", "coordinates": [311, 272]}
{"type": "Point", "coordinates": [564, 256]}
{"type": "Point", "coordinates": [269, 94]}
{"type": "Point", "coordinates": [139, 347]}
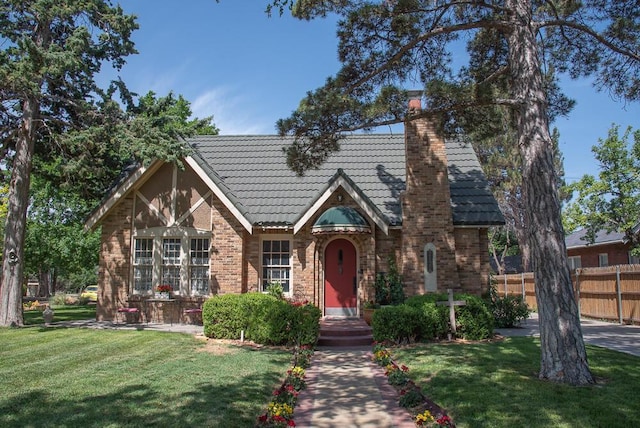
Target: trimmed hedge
{"type": "Point", "coordinates": [264, 318]}
{"type": "Point", "coordinates": [420, 319]}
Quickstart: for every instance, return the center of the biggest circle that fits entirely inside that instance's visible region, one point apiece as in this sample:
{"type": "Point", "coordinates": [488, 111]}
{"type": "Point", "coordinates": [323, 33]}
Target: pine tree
{"type": "Point", "coordinates": [383, 46]}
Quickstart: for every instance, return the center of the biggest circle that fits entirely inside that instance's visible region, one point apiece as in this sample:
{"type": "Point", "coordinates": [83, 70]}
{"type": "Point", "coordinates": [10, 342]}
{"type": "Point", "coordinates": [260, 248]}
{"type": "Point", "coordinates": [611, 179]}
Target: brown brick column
{"type": "Point", "coordinates": [426, 208]}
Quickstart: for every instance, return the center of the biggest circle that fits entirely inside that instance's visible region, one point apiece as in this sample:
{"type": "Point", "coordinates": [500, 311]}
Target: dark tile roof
{"type": "Point", "coordinates": [577, 239]}
{"type": "Point", "coordinates": [252, 170]}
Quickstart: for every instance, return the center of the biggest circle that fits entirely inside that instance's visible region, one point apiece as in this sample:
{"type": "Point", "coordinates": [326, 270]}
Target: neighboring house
{"type": "Point", "coordinates": [235, 218]}
{"type": "Point", "coordinates": [608, 249]}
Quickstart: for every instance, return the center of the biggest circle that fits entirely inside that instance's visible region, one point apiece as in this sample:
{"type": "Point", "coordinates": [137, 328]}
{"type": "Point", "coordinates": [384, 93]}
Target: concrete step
{"type": "Point", "coordinates": [344, 332]}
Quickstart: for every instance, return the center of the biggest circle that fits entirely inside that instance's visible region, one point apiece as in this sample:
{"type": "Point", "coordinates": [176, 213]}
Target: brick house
{"type": "Point", "coordinates": [235, 218]}
{"type": "Point", "coordinates": [608, 249]}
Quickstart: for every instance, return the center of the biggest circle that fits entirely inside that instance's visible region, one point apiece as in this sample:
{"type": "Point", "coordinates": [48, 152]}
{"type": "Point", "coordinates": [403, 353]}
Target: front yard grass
{"type": "Point", "coordinates": [62, 313]}
{"type": "Point", "coordinates": [496, 385]}
{"type": "Point", "coordinates": [104, 378]}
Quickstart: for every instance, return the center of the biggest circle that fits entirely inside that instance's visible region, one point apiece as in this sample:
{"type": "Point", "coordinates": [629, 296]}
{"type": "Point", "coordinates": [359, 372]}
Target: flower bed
{"type": "Point", "coordinates": [280, 410]}
{"type": "Point", "coordinates": [425, 412]}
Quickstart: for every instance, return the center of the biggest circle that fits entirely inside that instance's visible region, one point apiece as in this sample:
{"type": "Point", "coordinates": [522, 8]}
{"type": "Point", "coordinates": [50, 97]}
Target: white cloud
{"type": "Point", "coordinates": [234, 113]}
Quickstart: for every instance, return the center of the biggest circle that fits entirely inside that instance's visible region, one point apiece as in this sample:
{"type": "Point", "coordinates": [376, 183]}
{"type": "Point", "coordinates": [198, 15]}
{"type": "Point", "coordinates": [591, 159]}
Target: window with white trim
{"type": "Point", "coordinates": [575, 262]}
{"type": "Point", "coordinates": [199, 266]}
{"type": "Point", "coordinates": [143, 265]}
{"type": "Point", "coordinates": [177, 257]}
{"type": "Point", "coordinates": [603, 259]}
{"type": "Point", "coordinates": [276, 263]}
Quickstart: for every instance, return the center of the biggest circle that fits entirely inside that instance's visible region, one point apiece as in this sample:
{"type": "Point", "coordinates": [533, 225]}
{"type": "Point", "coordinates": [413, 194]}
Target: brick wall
{"type": "Point", "coordinates": [115, 253]}
{"type": "Point", "coordinates": [472, 259]}
{"type": "Point", "coordinates": [426, 208]}
{"type": "Point", "coordinates": [618, 254]}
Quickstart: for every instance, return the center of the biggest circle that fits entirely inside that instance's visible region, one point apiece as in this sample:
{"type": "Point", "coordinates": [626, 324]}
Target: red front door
{"type": "Point", "coordinates": [340, 279]}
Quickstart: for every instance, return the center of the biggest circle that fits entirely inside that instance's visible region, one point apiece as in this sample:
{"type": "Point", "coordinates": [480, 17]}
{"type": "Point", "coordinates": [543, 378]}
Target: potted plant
{"type": "Point", "coordinates": [368, 309]}
{"type": "Point", "coordinates": [163, 291]}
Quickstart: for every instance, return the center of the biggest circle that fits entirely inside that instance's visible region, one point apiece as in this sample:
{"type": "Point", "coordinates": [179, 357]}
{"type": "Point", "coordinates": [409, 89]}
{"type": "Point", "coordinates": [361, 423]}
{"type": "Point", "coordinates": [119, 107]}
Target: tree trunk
{"type": "Point", "coordinates": [18, 201]}
{"type": "Point", "coordinates": [563, 355]}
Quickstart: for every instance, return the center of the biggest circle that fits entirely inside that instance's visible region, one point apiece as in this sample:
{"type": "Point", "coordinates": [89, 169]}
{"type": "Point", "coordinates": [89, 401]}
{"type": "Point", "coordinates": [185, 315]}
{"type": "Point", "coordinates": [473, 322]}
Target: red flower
{"type": "Point", "coordinates": [404, 368]}
{"type": "Point", "coordinates": [263, 418]}
{"type": "Point", "coordinates": [443, 420]}
{"type": "Point", "coordinates": [290, 423]}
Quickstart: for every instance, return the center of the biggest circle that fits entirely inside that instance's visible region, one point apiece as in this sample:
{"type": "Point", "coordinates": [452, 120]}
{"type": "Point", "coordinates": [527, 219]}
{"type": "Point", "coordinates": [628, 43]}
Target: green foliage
{"type": "Point", "coordinates": [474, 320]}
{"type": "Point", "coordinates": [276, 290]}
{"type": "Point", "coordinates": [264, 318]}
{"type": "Point", "coordinates": [411, 398]}
{"type": "Point", "coordinates": [611, 201]}
{"type": "Point", "coordinates": [58, 299]}
{"type": "Point", "coordinates": [397, 324]}
{"type": "Point", "coordinates": [434, 323]}
{"type": "Point", "coordinates": [419, 318]}
{"type": "Point", "coordinates": [389, 289]}
{"type": "Point", "coordinates": [508, 311]}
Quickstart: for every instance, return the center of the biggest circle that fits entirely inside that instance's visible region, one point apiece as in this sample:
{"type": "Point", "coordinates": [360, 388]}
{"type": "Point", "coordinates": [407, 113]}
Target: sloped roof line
{"type": "Point", "coordinates": [222, 192]}
{"type": "Point", "coordinates": [117, 191]}
{"type": "Point", "coordinates": [342, 179]}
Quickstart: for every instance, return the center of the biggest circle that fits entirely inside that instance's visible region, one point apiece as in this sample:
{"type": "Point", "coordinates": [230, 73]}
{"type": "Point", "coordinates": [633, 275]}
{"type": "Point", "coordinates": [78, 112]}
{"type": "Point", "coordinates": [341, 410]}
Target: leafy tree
{"type": "Point", "coordinates": [68, 182]}
{"type": "Point", "coordinates": [387, 44]}
{"type": "Point", "coordinates": [610, 201]}
{"type": "Point", "coordinates": [51, 52]}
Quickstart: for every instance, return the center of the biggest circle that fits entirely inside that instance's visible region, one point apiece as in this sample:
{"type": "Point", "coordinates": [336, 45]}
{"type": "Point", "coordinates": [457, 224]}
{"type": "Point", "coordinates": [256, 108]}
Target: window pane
{"type": "Point", "coordinates": [171, 251]}
{"type": "Point", "coordinates": [142, 279]}
{"type": "Point", "coordinates": [171, 276]}
{"type": "Point", "coordinates": [276, 268]}
{"type": "Point", "coordinates": [199, 270]}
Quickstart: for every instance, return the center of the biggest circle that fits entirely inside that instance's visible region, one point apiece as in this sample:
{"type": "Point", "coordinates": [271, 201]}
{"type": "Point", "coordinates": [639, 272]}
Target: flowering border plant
{"type": "Point", "coordinates": [280, 410]}
{"type": "Point", "coordinates": [163, 288]}
{"type": "Point", "coordinates": [425, 412]}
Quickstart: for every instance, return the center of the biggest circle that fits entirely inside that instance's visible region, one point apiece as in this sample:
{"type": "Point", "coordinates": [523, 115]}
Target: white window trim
{"type": "Point", "coordinates": [158, 234]}
{"type": "Point", "coordinates": [572, 264]}
{"type": "Point", "coordinates": [604, 256]}
{"type": "Point", "coordinates": [277, 237]}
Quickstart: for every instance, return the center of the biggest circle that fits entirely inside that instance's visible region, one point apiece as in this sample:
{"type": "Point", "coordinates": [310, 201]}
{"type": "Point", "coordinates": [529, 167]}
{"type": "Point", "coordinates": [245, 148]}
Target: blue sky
{"type": "Point", "coordinates": [233, 62]}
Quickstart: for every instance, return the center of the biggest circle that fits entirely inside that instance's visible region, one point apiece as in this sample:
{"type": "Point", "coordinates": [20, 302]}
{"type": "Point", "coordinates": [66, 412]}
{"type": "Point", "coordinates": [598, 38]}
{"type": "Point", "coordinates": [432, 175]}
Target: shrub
{"type": "Point", "coordinates": [508, 311]}
{"type": "Point", "coordinates": [58, 299]}
{"type": "Point", "coordinates": [434, 323]}
{"type": "Point", "coordinates": [264, 318]}
{"type": "Point", "coordinates": [474, 320]}
{"type": "Point", "coordinates": [225, 316]}
{"type": "Point", "coordinates": [389, 288]}
{"type": "Point", "coordinates": [397, 324]}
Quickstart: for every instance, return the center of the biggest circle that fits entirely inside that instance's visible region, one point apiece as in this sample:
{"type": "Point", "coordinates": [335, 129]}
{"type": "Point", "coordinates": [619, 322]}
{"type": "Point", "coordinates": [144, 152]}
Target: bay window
{"type": "Point", "coordinates": [183, 262]}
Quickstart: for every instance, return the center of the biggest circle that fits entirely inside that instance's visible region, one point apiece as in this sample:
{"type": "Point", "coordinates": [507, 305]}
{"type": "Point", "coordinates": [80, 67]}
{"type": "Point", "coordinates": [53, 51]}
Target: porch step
{"type": "Point", "coordinates": [344, 332]}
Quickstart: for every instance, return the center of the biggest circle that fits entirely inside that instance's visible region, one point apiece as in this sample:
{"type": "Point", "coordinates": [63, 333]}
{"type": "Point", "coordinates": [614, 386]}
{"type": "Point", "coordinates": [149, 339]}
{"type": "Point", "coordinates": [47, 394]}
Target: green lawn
{"type": "Point", "coordinates": [59, 377]}
{"type": "Point", "coordinates": [496, 385]}
{"type": "Point", "coordinates": [62, 313]}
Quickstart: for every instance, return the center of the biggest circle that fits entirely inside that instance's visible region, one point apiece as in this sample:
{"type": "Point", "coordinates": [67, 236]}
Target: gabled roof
{"type": "Point", "coordinates": [254, 169]}
{"type": "Point", "coordinates": [251, 174]}
{"type": "Point", "coordinates": [578, 239]}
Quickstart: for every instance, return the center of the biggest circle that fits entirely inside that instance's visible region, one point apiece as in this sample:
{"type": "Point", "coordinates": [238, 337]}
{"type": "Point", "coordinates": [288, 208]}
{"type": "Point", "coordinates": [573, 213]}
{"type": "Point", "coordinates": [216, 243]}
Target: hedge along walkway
{"type": "Point", "coordinates": [345, 388]}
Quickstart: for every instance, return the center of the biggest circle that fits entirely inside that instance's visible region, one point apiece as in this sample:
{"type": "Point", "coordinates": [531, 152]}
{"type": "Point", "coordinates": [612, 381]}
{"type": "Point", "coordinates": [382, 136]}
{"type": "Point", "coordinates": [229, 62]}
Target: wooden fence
{"type": "Point", "coordinates": [611, 293]}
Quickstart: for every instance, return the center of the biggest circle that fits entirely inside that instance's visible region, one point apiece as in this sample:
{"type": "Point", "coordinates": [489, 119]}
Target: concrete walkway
{"type": "Point", "coordinates": [346, 389]}
{"type": "Point", "coordinates": [622, 338]}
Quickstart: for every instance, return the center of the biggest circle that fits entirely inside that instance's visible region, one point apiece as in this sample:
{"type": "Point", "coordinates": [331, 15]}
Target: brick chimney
{"type": "Point", "coordinates": [426, 206]}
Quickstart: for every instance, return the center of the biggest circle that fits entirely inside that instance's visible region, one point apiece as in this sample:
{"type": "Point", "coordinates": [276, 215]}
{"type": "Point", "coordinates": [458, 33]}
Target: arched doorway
{"type": "Point", "coordinates": [340, 279]}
